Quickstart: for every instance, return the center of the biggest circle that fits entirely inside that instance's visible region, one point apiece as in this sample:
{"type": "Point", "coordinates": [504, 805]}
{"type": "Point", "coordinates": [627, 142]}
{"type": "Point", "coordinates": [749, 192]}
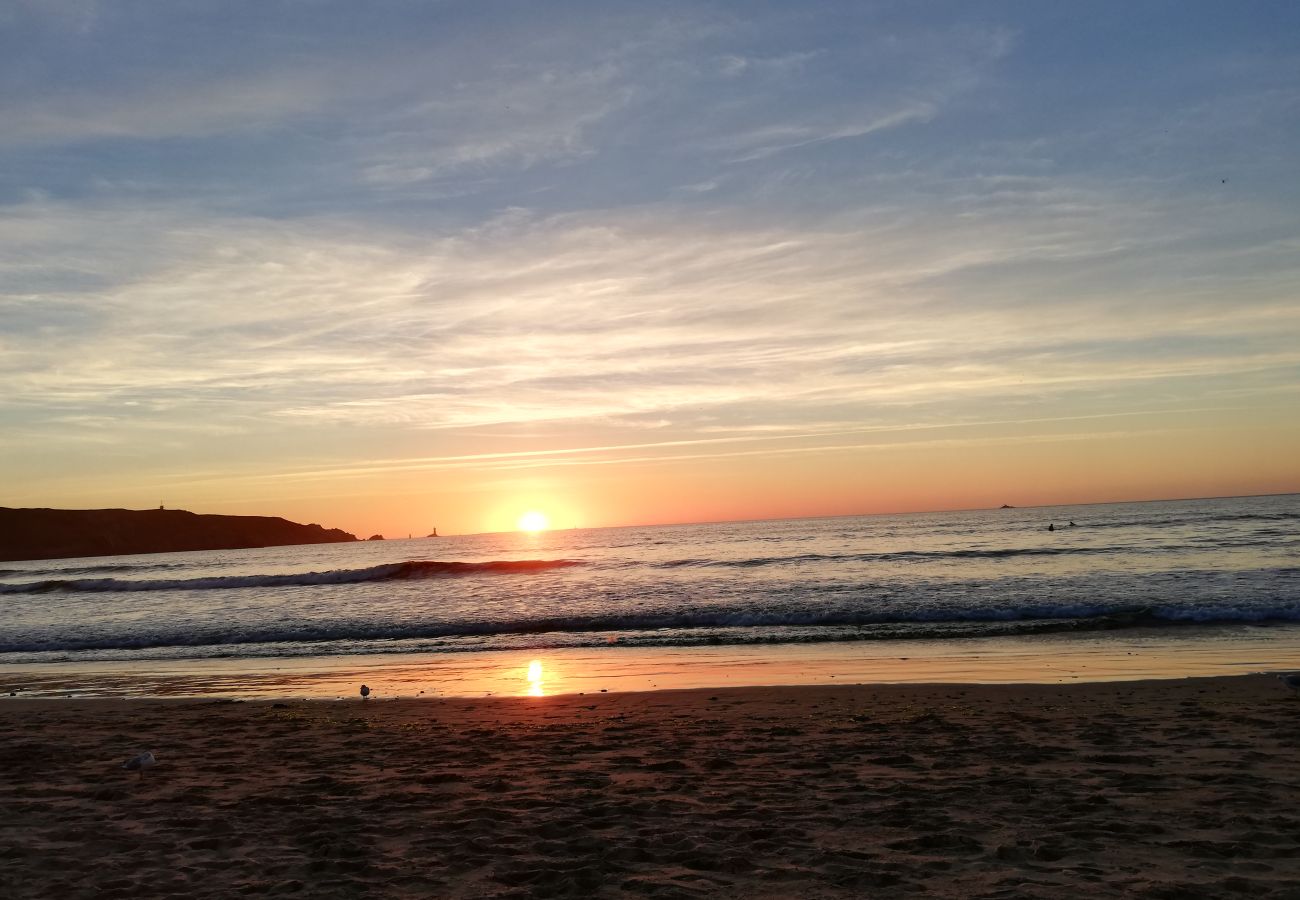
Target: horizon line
{"type": "Point", "coordinates": [912, 512]}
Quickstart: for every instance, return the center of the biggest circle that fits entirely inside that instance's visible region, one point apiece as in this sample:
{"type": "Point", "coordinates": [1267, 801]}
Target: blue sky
{"type": "Point", "coordinates": [320, 256]}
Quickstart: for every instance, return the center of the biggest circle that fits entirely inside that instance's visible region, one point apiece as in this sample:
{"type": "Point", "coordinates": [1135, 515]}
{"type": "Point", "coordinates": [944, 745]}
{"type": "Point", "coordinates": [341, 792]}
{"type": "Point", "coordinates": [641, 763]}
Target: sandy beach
{"type": "Point", "coordinates": [1184, 788]}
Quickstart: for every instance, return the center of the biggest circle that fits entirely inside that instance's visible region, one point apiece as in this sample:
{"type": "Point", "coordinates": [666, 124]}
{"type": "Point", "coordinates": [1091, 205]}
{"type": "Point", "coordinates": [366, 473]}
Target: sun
{"type": "Point", "coordinates": [533, 521]}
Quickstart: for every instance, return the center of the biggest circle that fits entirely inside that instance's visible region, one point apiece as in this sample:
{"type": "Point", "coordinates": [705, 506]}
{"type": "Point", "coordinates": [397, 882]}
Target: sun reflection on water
{"type": "Point", "coordinates": [535, 679]}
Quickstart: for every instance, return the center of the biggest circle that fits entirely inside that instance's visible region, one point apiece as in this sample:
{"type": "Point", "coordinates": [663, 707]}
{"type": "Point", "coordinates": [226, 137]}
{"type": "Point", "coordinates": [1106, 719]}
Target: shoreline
{"type": "Point", "coordinates": [1131, 655]}
{"type": "Point", "coordinates": [1157, 789]}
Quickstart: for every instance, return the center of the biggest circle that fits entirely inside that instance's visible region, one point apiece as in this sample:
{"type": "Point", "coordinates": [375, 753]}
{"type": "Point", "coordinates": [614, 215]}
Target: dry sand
{"type": "Point", "coordinates": [1151, 789]}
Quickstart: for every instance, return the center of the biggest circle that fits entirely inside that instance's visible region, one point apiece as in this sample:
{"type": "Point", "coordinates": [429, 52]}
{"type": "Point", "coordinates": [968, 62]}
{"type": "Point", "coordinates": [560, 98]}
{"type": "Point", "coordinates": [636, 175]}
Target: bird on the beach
{"type": "Point", "coordinates": [140, 762]}
{"type": "Point", "coordinates": [1292, 681]}
{"type": "Point", "coordinates": [365, 692]}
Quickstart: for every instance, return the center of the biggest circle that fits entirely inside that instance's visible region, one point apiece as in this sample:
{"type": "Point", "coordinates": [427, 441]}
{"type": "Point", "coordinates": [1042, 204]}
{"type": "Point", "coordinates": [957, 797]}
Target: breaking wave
{"type": "Point", "coordinates": [667, 628]}
{"type": "Point", "coordinates": [900, 555]}
{"type": "Point", "coordinates": [409, 569]}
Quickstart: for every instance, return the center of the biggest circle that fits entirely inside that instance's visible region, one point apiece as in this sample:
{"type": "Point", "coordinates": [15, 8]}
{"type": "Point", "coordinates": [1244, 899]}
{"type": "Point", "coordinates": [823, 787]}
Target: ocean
{"type": "Point", "coordinates": [1176, 565]}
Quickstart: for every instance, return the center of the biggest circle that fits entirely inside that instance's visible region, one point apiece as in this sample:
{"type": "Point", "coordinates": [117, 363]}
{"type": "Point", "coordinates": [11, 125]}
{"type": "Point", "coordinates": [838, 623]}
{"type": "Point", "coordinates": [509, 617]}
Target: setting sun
{"type": "Point", "coordinates": [533, 521]}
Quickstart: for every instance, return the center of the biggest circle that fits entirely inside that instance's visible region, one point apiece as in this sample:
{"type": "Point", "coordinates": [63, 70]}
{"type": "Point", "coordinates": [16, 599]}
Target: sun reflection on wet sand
{"type": "Point", "coordinates": [1048, 659]}
{"type": "Point", "coordinates": [535, 679]}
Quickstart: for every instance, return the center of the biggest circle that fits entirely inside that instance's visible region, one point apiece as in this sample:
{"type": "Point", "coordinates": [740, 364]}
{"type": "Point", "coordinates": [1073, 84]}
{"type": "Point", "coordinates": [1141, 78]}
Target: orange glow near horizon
{"type": "Point", "coordinates": [1244, 452]}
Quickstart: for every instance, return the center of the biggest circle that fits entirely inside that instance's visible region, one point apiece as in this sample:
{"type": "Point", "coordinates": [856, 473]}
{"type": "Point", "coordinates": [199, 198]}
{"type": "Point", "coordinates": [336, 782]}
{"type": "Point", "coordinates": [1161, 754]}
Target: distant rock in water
{"type": "Point", "coordinates": [375, 537]}
{"type": "Point", "coordinates": [60, 533]}
{"type": "Point", "coordinates": [1006, 506]}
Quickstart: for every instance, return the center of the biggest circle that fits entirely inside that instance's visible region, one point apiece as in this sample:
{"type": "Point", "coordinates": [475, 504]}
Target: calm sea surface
{"type": "Point", "coordinates": [1174, 565]}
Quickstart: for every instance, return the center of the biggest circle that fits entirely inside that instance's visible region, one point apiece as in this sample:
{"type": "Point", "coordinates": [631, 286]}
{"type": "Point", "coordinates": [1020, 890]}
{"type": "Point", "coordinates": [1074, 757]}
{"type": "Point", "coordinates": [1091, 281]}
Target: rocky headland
{"type": "Point", "coordinates": [60, 533]}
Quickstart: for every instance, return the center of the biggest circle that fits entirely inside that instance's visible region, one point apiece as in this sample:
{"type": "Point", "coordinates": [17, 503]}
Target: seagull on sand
{"type": "Point", "coordinates": [1292, 681]}
{"type": "Point", "coordinates": [365, 692]}
{"type": "Point", "coordinates": [140, 762]}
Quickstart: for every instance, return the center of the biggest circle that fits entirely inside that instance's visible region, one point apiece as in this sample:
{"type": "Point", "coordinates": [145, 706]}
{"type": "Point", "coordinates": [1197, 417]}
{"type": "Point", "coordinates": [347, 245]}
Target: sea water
{"type": "Point", "coordinates": [1179, 566]}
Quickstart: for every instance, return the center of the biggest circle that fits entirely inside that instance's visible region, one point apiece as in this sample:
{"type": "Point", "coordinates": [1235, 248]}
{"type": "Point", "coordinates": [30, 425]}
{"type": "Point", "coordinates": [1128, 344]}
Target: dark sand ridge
{"type": "Point", "coordinates": [1173, 789]}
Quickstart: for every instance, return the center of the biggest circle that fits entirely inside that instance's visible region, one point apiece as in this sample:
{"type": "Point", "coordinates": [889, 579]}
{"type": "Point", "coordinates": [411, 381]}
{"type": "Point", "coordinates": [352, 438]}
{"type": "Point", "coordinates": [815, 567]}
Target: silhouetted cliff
{"type": "Point", "coordinates": [55, 533]}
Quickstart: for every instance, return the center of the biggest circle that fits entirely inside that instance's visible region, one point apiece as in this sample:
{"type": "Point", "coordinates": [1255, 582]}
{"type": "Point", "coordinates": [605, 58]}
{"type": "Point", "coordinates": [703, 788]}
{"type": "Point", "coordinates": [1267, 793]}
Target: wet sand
{"type": "Point", "coordinates": [1170, 789]}
{"type": "Point", "coordinates": [1132, 655]}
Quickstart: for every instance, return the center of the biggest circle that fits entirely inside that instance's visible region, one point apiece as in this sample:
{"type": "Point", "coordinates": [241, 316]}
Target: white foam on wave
{"type": "Point", "coordinates": [676, 627]}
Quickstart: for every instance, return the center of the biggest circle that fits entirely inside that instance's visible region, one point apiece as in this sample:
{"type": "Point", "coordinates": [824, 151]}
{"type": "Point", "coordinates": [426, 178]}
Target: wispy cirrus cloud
{"type": "Point", "coordinates": [155, 111]}
{"type": "Point", "coordinates": [570, 318]}
{"type": "Point", "coordinates": [771, 140]}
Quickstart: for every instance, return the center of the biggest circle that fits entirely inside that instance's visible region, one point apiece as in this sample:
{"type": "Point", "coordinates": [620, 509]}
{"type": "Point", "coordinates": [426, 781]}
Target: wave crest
{"type": "Point", "coordinates": [892, 556]}
{"type": "Point", "coordinates": [687, 628]}
{"type": "Point", "coordinates": [410, 569]}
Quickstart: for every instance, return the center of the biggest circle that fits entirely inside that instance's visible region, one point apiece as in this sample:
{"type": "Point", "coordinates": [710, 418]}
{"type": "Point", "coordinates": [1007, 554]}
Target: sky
{"type": "Point", "coordinates": [402, 265]}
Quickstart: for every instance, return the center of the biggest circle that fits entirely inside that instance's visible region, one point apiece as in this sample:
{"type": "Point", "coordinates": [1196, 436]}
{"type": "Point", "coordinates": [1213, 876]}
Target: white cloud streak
{"type": "Point", "coordinates": [568, 319]}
